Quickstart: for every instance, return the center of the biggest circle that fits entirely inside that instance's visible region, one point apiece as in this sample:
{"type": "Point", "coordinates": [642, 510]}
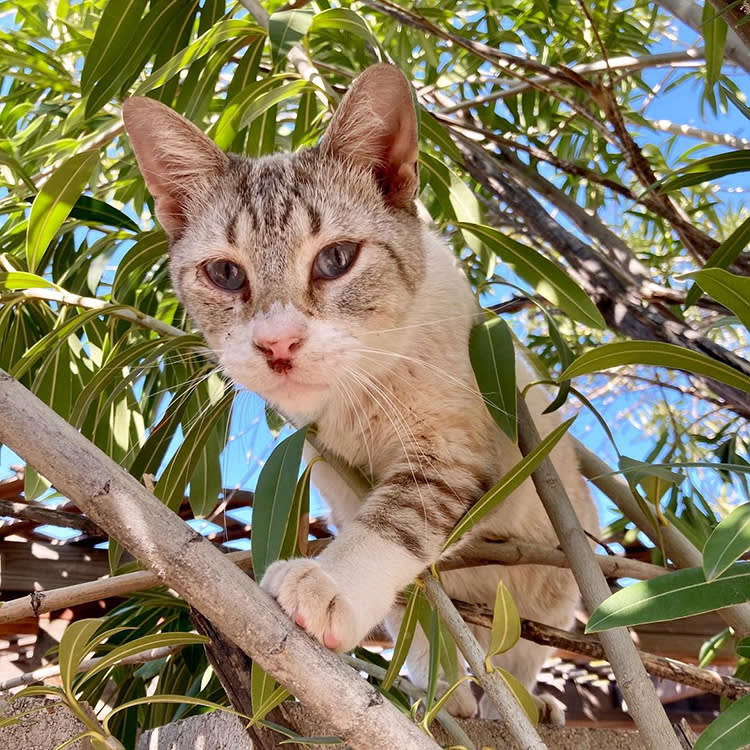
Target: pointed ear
{"type": "Point", "coordinates": [175, 158]}
{"type": "Point", "coordinates": [375, 126]}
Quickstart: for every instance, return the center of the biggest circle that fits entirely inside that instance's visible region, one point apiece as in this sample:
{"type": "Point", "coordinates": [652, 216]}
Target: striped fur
{"type": "Point", "coordinates": [379, 361]}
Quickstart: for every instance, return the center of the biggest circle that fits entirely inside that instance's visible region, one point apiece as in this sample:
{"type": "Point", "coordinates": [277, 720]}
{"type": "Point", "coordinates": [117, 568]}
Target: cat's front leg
{"type": "Point", "coordinates": [342, 595]}
{"type": "Point", "coordinates": [398, 532]}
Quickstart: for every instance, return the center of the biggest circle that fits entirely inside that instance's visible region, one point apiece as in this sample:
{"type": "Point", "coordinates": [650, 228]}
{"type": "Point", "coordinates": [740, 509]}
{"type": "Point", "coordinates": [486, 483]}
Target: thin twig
{"type": "Point", "coordinates": [45, 673]}
{"type": "Point", "coordinates": [590, 646]}
{"type": "Point", "coordinates": [522, 730]}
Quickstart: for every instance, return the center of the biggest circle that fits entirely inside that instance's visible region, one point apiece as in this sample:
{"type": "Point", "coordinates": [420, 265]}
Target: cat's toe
{"type": "Point", "coordinates": [551, 711]}
{"type": "Point", "coordinates": [312, 599]}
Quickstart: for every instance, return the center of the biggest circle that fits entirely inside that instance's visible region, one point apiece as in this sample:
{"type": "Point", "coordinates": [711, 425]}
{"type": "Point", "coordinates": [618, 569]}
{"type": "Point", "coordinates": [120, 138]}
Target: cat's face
{"type": "Point", "coordinates": [299, 269]}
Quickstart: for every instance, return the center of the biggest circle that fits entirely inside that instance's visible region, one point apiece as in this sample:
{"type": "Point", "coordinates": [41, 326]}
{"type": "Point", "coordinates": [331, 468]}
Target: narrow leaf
{"type": "Point", "coordinates": [54, 203]}
{"type": "Point", "coordinates": [76, 643]}
{"type": "Point", "coordinates": [265, 692]}
{"type": "Point", "coordinates": [510, 482]}
{"type": "Point", "coordinates": [723, 256]}
{"type": "Point", "coordinates": [730, 290]}
{"type": "Point", "coordinates": [547, 278]}
{"type": "Point", "coordinates": [404, 639]}
{"type": "Point", "coordinates": [728, 541]}
{"type": "Point", "coordinates": [493, 359]}
{"type": "Point", "coordinates": [521, 694]}
{"type": "Point", "coordinates": [730, 730]}
{"type": "Point", "coordinates": [274, 497]}
{"type": "Point", "coordinates": [703, 170]}
{"type": "Point", "coordinates": [95, 211]}
{"type": "Point", "coordinates": [285, 29]}
{"type": "Point", "coordinates": [506, 625]}
{"type": "Point", "coordinates": [656, 354]}
{"type": "Point", "coordinates": [677, 594]}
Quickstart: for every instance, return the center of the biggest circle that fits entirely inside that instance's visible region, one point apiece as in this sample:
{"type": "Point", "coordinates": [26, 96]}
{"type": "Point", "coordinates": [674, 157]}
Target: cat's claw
{"type": "Point", "coordinates": [313, 600]}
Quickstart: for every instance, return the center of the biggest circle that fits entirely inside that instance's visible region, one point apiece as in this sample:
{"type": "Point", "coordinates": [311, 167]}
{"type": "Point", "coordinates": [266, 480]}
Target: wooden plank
{"type": "Point", "coordinates": [36, 566]}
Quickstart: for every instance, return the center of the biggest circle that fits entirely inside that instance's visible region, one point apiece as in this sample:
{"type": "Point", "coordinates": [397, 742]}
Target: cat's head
{"type": "Point", "coordinates": [297, 268]}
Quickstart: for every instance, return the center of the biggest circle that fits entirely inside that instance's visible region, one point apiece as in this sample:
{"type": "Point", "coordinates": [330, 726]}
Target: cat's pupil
{"type": "Point", "coordinates": [226, 275]}
{"type": "Point", "coordinates": [334, 260]}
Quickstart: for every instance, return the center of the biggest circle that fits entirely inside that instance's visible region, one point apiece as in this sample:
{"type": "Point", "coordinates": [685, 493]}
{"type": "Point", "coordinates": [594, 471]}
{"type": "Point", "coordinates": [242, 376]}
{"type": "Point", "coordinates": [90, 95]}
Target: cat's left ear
{"type": "Point", "coordinates": [375, 126]}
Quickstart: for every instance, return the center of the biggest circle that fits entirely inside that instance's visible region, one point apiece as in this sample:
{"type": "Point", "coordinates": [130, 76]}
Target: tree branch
{"type": "Point", "coordinates": [587, 645]}
{"type": "Point", "coordinates": [185, 561]}
{"type": "Point", "coordinates": [676, 546]}
{"type": "Point", "coordinates": [493, 684]}
{"type": "Point", "coordinates": [632, 679]}
{"type": "Point", "coordinates": [691, 14]}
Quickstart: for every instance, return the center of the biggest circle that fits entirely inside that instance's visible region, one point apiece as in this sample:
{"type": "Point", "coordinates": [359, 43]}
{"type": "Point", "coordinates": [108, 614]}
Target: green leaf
{"type": "Point", "coordinates": [270, 99]}
{"type": "Point", "coordinates": [265, 692]}
{"type": "Point", "coordinates": [54, 202]}
{"type": "Point", "coordinates": [94, 211]}
{"type": "Point", "coordinates": [117, 27]}
{"type": "Point", "coordinates": [147, 642]}
{"type": "Point", "coordinates": [710, 168]}
{"type": "Point", "coordinates": [343, 19]}
{"type": "Point", "coordinates": [715, 35]}
{"type": "Point", "coordinates": [300, 507]}
{"type": "Point", "coordinates": [403, 640]}
{"type": "Point", "coordinates": [723, 256]}
{"type": "Point", "coordinates": [506, 625]}
{"type": "Point", "coordinates": [510, 482]}
{"type": "Point", "coordinates": [730, 290]}
{"type": "Point", "coordinates": [285, 29]}
{"type": "Point", "coordinates": [128, 54]}
{"type": "Point", "coordinates": [655, 354]}
{"type": "Point", "coordinates": [214, 400]}
{"type": "Point", "coordinates": [76, 643]}
{"type": "Point", "coordinates": [494, 362]}
{"type": "Point", "coordinates": [677, 594]}
{"type": "Point", "coordinates": [730, 730]}
{"type": "Point", "coordinates": [147, 700]}
{"type": "Point", "coordinates": [728, 541]}
{"type": "Point", "coordinates": [547, 278]}
{"type": "Point", "coordinates": [521, 694]}
{"type": "Point", "coordinates": [24, 280]}
{"type": "Point", "coordinates": [274, 497]}
{"type": "Point", "coordinates": [266, 90]}
{"type": "Point", "coordinates": [225, 30]}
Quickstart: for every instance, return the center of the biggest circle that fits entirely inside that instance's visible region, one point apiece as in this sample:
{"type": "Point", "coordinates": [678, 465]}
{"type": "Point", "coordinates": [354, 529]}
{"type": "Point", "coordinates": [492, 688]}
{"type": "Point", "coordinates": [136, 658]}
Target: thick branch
{"type": "Point", "coordinates": [185, 561]}
{"type": "Point", "coordinates": [691, 14]}
{"type": "Point", "coordinates": [632, 679]}
{"type": "Point", "coordinates": [621, 306]}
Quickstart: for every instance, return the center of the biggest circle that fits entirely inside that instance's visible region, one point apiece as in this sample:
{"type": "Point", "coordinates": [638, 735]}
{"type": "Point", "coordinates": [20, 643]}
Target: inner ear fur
{"type": "Point", "coordinates": [175, 158]}
{"type": "Point", "coordinates": [375, 127]}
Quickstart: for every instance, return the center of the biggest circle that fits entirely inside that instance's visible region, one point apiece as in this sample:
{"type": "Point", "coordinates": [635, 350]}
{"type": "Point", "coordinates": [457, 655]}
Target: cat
{"type": "Point", "coordinates": [316, 283]}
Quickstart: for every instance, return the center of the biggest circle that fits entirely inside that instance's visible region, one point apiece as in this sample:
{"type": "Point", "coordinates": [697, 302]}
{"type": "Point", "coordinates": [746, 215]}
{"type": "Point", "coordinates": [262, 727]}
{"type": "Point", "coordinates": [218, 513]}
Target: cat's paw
{"type": "Point", "coordinates": [551, 711]}
{"type": "Point", "coordinates": [461, 703]}
{"type": "Point", "coordinates": [314, 601]}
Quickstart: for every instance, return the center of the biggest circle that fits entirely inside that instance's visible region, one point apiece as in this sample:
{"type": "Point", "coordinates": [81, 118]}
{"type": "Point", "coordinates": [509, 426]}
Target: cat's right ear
{"type": "Point", "coordinates": [174, 156]}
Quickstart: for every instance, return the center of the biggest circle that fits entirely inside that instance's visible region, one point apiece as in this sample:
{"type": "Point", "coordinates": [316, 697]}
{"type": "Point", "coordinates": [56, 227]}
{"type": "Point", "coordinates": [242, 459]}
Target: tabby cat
{"type": "Point", "coordinates": [318, 286]}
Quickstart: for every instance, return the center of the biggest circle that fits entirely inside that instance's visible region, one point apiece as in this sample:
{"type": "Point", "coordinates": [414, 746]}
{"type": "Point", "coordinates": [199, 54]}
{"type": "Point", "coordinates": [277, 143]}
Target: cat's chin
{"type": "Point", "coordinates": [302, 402]}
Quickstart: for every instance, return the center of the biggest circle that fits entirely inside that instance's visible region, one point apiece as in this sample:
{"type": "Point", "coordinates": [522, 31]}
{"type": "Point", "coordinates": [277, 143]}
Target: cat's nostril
{"type": "Point", "coordinates": [278, 349]}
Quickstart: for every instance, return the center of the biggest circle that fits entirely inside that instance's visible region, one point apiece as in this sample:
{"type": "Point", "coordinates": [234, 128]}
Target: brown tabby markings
{"type": "Point", "coordinates": [376, 357]}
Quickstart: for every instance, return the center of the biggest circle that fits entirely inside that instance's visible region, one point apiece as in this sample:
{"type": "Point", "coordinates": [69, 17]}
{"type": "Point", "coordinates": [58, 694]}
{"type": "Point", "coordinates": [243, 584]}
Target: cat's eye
{"type": "Point", "coordinates": [335, 260]}
{"type": "Point", "coordinates": [225, 274]}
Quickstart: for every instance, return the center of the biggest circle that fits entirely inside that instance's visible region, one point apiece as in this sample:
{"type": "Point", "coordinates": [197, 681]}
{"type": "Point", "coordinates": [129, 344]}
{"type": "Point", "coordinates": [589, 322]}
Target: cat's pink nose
{"type": "Point", "coordinates": [279, 348]}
